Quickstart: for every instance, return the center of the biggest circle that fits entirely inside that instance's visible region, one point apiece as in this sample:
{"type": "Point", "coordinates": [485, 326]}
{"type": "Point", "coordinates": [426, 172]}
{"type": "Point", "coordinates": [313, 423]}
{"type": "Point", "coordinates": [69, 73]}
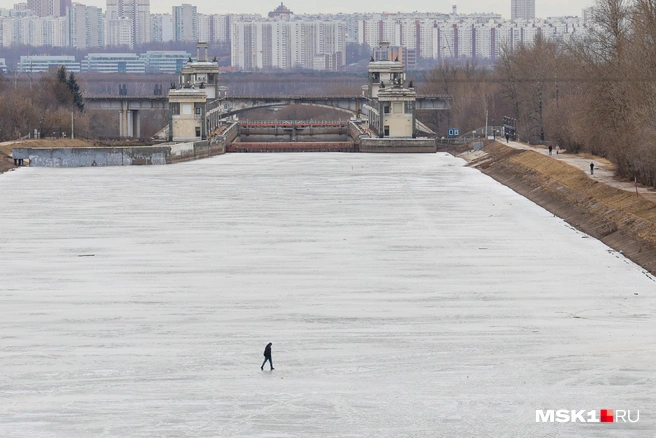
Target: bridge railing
{"type": "Point", "coordinates": [213, 105]}
{"type": "Point", "coordinates": [227, 136]}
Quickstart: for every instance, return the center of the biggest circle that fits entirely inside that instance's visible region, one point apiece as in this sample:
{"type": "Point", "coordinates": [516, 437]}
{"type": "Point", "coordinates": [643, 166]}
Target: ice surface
{"type": "Point", "coordinates": [405, 296]}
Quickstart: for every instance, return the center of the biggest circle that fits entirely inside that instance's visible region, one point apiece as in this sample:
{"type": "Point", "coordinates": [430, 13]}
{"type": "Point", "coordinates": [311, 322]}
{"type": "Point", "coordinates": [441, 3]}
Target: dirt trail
{"type": "Point", "coordinates": [604, 170]}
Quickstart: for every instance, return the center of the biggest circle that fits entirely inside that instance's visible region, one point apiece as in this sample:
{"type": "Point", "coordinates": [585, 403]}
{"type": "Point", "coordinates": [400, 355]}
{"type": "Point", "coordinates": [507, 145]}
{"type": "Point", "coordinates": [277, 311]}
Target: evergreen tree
{"type": "Point", "coordinates": [61, 74]}
{"type": "Point", "coordinates": [3, 81]}
{"type": "Point", "coordinates": [74, 88]}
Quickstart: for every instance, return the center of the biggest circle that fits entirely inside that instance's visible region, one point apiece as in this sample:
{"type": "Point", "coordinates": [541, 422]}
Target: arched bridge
{"type": "Point", "coordinates": [225, 106]}
{"type": "Point", "coordinates": [229, 105]}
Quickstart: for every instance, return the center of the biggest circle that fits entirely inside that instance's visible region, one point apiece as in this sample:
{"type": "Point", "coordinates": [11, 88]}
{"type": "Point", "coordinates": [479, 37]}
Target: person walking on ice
{"type": "Point", "coordinates": [267, 356]}
{"type": "Point", "coordinates": [591, 168]}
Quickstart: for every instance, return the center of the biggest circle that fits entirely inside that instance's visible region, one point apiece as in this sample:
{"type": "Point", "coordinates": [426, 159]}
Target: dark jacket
{"type": "Point", "coordinates": [267, 351]}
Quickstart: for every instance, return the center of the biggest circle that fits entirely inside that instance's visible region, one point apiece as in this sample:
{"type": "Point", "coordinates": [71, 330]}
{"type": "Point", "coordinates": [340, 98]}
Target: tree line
{"type": "Point", "coordinates": [45, 105]}
{"type": "Point", "coordinates": [594, 94]}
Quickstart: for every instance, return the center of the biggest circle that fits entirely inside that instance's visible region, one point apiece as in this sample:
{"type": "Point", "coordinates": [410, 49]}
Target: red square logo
{"type": "Point", "coordinates": [607, 415]}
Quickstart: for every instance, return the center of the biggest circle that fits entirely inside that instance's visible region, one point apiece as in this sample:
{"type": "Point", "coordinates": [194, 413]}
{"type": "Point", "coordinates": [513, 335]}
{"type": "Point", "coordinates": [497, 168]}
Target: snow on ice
{"type": "Point", "coordinates": [405, 295]}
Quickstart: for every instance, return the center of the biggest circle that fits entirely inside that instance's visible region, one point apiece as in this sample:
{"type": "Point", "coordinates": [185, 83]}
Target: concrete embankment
{"type": "Point", "coordinates": [620, 219]}
{"type": "Point", "coordinates": [168, 153]}
{"type": "Point", "coordinates": [118, 156]}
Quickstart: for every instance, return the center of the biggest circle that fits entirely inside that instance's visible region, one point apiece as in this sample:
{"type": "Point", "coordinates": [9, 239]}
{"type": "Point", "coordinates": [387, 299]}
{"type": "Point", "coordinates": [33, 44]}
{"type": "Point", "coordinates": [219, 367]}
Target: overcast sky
{"type": "Point", "coordinates": [543, 8]}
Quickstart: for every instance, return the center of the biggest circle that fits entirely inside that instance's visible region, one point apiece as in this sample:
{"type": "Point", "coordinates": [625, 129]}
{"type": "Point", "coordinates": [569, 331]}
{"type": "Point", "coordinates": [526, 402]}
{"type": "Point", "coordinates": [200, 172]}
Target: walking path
{"type": "Point", "coordinates": [604, 170]}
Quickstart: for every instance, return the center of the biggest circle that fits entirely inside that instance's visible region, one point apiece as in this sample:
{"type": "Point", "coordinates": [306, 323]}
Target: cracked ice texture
{"type": "Point", "coordinates": [405, 295]}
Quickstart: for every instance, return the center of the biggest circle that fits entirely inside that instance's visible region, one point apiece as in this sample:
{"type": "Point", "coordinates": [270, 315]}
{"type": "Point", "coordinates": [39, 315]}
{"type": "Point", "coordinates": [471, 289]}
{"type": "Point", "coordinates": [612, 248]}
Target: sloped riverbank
{"type": "Point", "coordinates": [620, 219]}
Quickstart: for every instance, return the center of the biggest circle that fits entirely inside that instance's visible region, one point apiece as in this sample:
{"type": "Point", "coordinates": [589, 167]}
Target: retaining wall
{"type": "Point", "coordinates": [118, 156]}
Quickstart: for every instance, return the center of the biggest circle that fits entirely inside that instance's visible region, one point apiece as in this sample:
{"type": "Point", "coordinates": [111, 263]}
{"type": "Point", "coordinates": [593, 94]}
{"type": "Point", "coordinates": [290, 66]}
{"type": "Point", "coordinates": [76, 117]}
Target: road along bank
{"type": "Point", "coordinates": [620, 219]}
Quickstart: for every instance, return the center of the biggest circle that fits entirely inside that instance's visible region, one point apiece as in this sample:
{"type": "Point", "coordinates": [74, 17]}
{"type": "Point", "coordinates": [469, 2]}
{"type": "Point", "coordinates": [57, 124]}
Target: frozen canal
{"type": "Point", "coordinates": [405, 296]}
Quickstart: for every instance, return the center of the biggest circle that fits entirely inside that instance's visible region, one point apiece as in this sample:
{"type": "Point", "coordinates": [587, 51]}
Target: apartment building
{"type": "Point", "coordinates": [119, 32]}
{"type": "Point", "coordinates": [185, 23]}
{"type": "Point", "coordinates": [46, 8]}
{"type": "Point", "coordinates": [161, 28]}
{"type": "Point", "coordinates": [204, 31]}
{"type": "Point", "coordinates": [137, 12]}
{"type": "Point", "coordinates": [86, 26]}
{"type": "Point", "coordinates": [285, 41]}
{"type": "Point", "coordinates": [288, 44]}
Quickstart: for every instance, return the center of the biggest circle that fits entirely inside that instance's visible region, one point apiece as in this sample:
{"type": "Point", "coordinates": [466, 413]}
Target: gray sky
{"type": "Point", "coordinates": [543, 8]}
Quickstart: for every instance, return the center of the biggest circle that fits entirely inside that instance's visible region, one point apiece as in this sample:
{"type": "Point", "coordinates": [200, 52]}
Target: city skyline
{"type": "Point", "coordinates": [543, 8]}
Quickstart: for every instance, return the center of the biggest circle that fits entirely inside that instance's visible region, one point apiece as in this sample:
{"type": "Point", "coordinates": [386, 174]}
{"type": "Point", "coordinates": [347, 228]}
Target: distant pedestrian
{"type": "Point", "coordinates": [267, 356]}
{"type": "Point", "coordinates": [591, 168]}
{"type": "Point", "coordinates": [507, 137]}
{"type": "Point", "coordinates": [550, 149]}
{"type": "Point", "coordinates": [557, 149]}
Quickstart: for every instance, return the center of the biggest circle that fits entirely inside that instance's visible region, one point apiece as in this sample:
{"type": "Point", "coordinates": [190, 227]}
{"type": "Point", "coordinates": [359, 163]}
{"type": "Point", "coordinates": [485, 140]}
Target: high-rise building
{"type": "Point", "coordinates": [119, 32]}
{"type": "Point", "coordinates": [204, 27]}
{"type": "Point", "coordinates": [522, 10]}
{"type": "Point", "coordinates": [63, 4]}
{"type": "Point", "coordinates": [45, 8]}
{"type": "Point", "coordinates": [220, 28]}
{"type": "Point", "coordinates": [161, 28]}
{"type": "Point", "coordinates": [137, 11]}
{"type": "Point", "coordinates": [288, 44]}
{"type": "Point", "coordinates": [114, 9]}
{"type": "Point", "coordinates": [60, 35]}
{"type": "Point", "coordinates": [86, 26]}
{"type": "Point", "coordinates": [185, 23]}
{"type": "Point", "coordinates": [77, 26]}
